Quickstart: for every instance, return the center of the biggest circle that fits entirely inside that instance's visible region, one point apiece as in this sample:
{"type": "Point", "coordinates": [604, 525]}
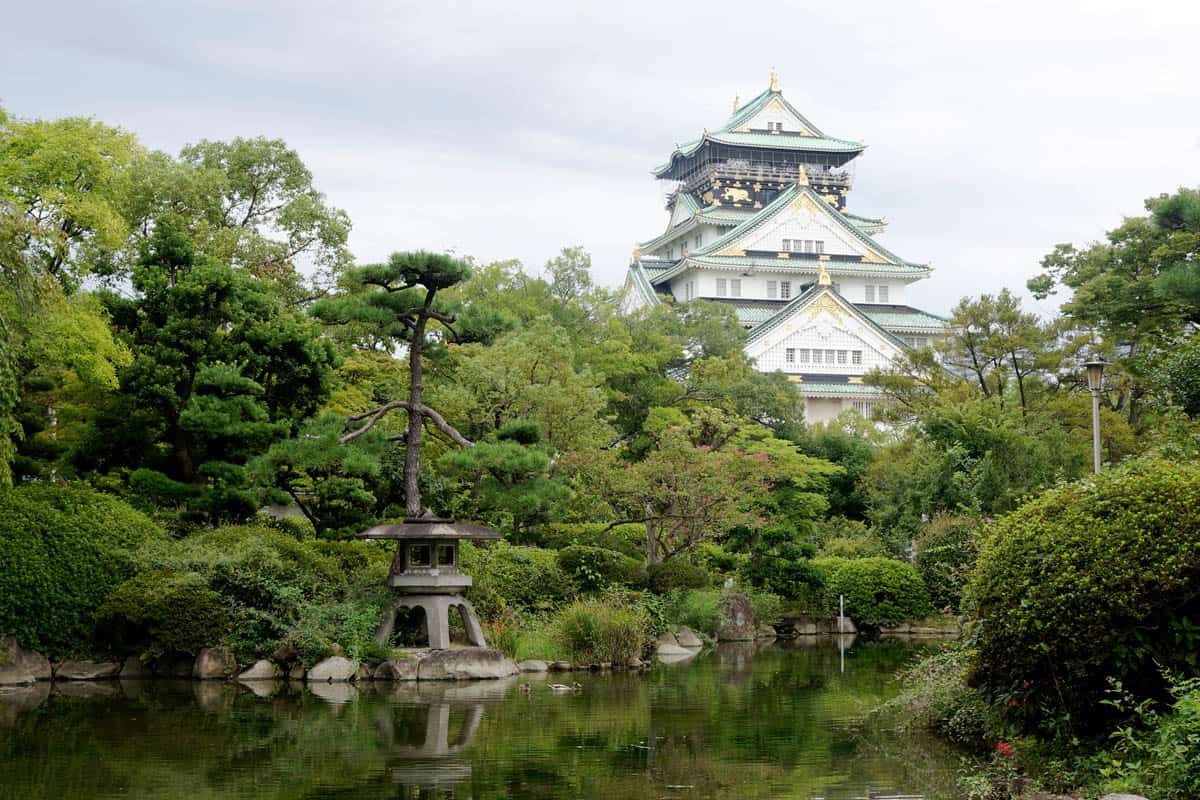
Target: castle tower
{"type": "Point", "coordinates": [757, 214]}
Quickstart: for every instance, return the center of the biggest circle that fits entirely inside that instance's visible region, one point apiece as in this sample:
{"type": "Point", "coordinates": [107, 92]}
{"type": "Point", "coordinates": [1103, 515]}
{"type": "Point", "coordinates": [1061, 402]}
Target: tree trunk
{"type": "Point", "coordinates": [412, 444]}
{"type": "Point", "coordinates": [652, 556]}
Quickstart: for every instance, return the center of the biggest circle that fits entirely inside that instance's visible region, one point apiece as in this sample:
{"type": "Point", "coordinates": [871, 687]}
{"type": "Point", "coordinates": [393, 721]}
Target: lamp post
{"type": "Point", "coordinates": [1095, 378]}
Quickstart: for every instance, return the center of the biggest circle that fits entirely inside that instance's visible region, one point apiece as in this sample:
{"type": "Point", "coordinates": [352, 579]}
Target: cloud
{"type": "Point", "coordinates": [511, 130]}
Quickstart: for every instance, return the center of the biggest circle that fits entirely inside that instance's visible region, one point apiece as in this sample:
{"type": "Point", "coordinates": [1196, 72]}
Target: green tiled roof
{"type": "Point", "coordinates": [837, 388]}
{"type": "Point", "coordinates": [720, 215]}
{"type": "Point", "coordinates": [728, 134]}
{"type": "Point", "coordinates": [903, 318]}
{"type": "Point", "coordinates": [641, 283]}
{"type": "Point", "coordinates": [807, 297]}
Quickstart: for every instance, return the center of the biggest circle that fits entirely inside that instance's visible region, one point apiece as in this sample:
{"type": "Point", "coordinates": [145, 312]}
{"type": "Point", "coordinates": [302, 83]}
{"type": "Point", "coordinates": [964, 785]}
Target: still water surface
{"type": "Point", "coordinates": [775, 721]}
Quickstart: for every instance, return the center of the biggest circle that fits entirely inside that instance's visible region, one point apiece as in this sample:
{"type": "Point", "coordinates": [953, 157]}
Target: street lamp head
{"type": "Point", "coordinates": [1095, 373]}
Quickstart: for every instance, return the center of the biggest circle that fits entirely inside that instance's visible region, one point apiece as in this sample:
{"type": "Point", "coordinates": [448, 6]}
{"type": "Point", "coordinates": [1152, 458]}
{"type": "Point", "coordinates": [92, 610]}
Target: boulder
{"type": "Point", "coordinates": [634, 663]}
{"type": "Point", "coordinates": [533, 665]}
{"type": "Point", "coordinates": [363, 674]}
{"type": "Point", "coordinates": [766, 632]}
{"type": "Point", "coordinates": [87, 670]}
{"type": "Point", "coordinates": [846, 626]}
{"type": "Point", "coordinates": [402, 669]}
{"type": "Point", "coordinates": [334, 669]}
{"type": "Point", "coordinates": [1122, 797]}
{"type": "Point", "coordinates": [19, 660]}
{"type": "Point", "coordinates": [134, 670]}
{"type": "Point", "coordinates": [561, 666]}
{"type": "Point", "coordinates": [668, 639]}
{"type": "Point", "coordinates": [214, 663]}
{"type": "Point", "coordinates": [15, 675]}
{"type": "Point", "coordinates": [738, 617]}
{"type": "Point", "coordinates": [465, 664]}
{"type": "Point", "coordinates": [686, 637]}
{"type": "Point", "coordinates": [262, 670]}
{"type": "Point", "coordinates": [669, 648]}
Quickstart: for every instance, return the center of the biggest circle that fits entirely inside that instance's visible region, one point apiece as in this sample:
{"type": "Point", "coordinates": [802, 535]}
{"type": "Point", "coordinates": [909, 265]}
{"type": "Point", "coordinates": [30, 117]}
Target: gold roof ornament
{"type": "Point", "coordinates": [802, 179]}
{"type": "Point", "coordinates": [637, 254]}
{"type": "Point", "coordinates": [774, 80]}
{"type": "Point", "coordinates": [823, 278]}
{"type": "Point", "coordinates": [736, 103]}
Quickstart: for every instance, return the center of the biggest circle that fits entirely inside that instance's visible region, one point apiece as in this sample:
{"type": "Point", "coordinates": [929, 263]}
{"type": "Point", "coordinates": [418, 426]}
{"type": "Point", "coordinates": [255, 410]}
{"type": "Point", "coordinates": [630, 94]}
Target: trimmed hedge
{"type": "Point", "coordinates": [879, 591]}
{"type": "Point", "coordinates": [62, 550]}
{"type": "Point", "coordinates": [595, 568]}
{"type": "Point", "coordinates": [668, 576]}
{"type": "Point", "coordinates": [527, 577]}
{"type": "Point", "coordinates": [163, 613]}
{"type": "Point", "coordinates": [1094, 579]}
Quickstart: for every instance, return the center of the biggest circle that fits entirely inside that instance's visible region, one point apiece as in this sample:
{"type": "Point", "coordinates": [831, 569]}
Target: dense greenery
{"type": "Point", "coordinates": [878, 591]}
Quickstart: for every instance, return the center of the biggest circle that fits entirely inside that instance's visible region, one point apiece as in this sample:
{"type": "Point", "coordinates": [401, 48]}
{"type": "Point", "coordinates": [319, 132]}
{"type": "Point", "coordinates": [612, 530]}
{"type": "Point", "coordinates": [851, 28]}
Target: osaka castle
{"type": "Point", "coordinates": [758, 220]}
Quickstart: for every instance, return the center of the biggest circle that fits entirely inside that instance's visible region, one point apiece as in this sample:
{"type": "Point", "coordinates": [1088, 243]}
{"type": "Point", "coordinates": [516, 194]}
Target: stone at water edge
{"type": "Point", "coordinates": [20, 660]}
{"type": "Point", "coordinates": [363, 674]}
{"type": "Point", "coordinates": [134, 670]}
{"type": "Point", "coordinates": [1122, 797]}
{"type": "Point", "coordinates": [262, 670]}
{"type": "Point", "coordinates": [738, 614]}
{"type": "Point", "coordinates": [334, 669]}
{"type": "Point", "coordinates": [465, 663]}
{"type": "Point", "coordinates": [561, 666]}
{"type": "Point", "coordinates": [634, 663]}
{"type": "Point", "coordinates": [686, 637]}
{"type": "Point", "coordinates": [87, 670]}
{"type": "Point", "coordinates": [296, 673]}
{"type": "Point", "coordinates": [766, 632]}
{"type": "Point", "coordinates": [214, 664]}
{"type": "Point", "coordinates": [667, 638]}
{"type": "Point", "coordinates": [400, 669]}
{"type": "Point", "coordinates": [533, 665]}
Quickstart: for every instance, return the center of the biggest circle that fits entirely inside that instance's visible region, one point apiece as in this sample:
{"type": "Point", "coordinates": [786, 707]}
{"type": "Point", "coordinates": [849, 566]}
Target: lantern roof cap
{"type": "Point", "coordinates": [428, 526]}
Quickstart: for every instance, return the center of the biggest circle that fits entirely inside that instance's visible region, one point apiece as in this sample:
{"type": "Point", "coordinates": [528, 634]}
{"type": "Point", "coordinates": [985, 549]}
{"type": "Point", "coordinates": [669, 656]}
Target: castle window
{"type": "Point", "coordinates": [775, 127]}
{"type": "Point", "coordinates": [856, 356]}
{"type": "Point", "coordinates": [720, 287]}
{"type": "Point", "coordinates": [820, 246]}
{"type": "Point", "coordinates": [697, 242]}
{"type": "Point", "coordinates": [863, 407]}
{"type": "Point", "coordinates": [829, 356]}
{"type": "Point", "coordinates": [803, 355]}
{"type": "Point", "coordinates": [735, 287]}
{"type": "Point", "coordinates": [841, 356]}
{"type": "Point", "coordinates": [808, 245]}
{"type": "Point", "coordinates": [772, 290]}
{"type": "Point", "coordinates": [870, 293]}
{"type": "Point", "coordinates": [816, 356]}
{"type": "Point", "coordinates": [883, 293]}
{"type": "Point", "coordinates": [787, 245]}
{"type": "Point", "coordinates": [789, 355]}
{"type": "Point", "coordinates": [785, 290]}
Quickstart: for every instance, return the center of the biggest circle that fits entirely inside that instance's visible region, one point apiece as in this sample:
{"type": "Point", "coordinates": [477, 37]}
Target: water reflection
{"type": "Point", "coordinates": [747, 721]}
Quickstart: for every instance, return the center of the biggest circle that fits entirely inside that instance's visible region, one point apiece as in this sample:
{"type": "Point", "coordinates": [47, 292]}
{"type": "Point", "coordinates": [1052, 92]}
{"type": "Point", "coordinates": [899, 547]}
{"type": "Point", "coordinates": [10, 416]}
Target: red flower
{"type": "Point", "coordinates": [1004, 749]}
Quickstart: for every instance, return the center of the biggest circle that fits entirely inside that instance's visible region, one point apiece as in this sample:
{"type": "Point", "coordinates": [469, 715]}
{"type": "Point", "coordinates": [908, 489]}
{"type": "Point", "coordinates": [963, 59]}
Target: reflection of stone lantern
{"type": "Point", "coordinates": [425, 570]}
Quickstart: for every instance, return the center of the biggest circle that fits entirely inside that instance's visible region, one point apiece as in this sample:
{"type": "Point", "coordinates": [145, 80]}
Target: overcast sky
{"type": "Point", "coordinates": [509, 130]}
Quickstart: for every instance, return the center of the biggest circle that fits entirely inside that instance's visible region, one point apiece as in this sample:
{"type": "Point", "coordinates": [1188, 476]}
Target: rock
{"type": "Point", "coordinates": [738, 615]}
{"type": "Point", "coordinates": [1122, 797]}
{"type": "Point", "coordinates": [673, 651]}
{"type": "Point", "coordinates": [88, 690]}
{"type": "Point", "coordinates": [134, 670]}
{"type": "Point", "coordinates": [686, 637]}
{"type": "Point", "coordinates": [634, 663]}
{"type": "Point", "coordinates": [20, 661]}
{"type": "Point", "coordinates": [262, 670]}
{"type": "Point", "coordinates": [214, 663]}
{"type": "Point", "coordinates": [884, 630]}
{"type": "Point", "coordinates": [560, 666]}
{"type": "Point", "coordinates": [334, 669]}
{"type": "Point", "coordinates": [15, 675]}
{"type": "Point", "coordinates": [363, 674]}
{"type": "Point", "coordinates": [261, 688]}
{"type": "Point", "coordinates": [766, 632]}
{"type": "Point", "coordinates": [87, 670]}
{"type": "Point", "coordinates": [296, 673]}
{"type": "Point", "coordinates": [465, 664]}
{"type": "Point", "coordinates": [667, 638]}
{"type": "Point", "coordinates": [336, 694]}
{"type": "Point", "coordinates": [533, 665]}
{"type": "Point", "coordinates": [847, 626]}
{"type": "Point", "coordinates": [403, 669]}
{"type": "Point", "coordinates": [284, 654]}
{"type": "Point", "coordinates": [603, 665]}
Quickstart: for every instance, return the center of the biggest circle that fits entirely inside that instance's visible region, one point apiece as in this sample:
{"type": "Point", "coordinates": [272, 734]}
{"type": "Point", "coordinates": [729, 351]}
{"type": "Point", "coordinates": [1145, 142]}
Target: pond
{"type": "Point", "coordinates": [766, 721]}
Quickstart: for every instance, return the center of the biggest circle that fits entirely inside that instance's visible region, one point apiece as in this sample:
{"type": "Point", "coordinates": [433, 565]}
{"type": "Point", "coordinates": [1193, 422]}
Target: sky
{"type": "Point", "coordinates": [510, 130]}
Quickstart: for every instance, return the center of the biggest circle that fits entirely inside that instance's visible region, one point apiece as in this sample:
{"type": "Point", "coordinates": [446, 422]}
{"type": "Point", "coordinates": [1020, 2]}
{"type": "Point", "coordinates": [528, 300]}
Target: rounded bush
{"type": "Point", "coordinates": [598, 630]}
{"type": "Point", "coordinates": [676, 574]}
{"type": "Point", "coordinates": [62, 550]}
{"type": "Point", "coordinates": [878, 591]}
{"type": "Point", "coordinates": [163, 613]}
{"type": "Point", "coordinates": [527, 577]}
{"type": "Point", "coordinates": [595, 568]}
{"type": "Point", "coordinates": [1090, 580]}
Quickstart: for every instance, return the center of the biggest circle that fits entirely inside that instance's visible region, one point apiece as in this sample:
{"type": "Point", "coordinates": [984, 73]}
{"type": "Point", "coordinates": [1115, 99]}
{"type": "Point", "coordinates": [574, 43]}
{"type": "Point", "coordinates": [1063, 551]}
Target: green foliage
{"type": "Point", "coordinates": [1158, 754]}
{"type": "Point", "coordinates": [63, 548]}
{"type": "Point", "coordinates": [596, 568]}
{"type": "Point", "coordinates": [699, 609]}
{"type": "Point", "coordinates": [163, 613]}
{"type": "Point", "coordinates": [944, 553]}
{"type": "Point", "coordinates": [878, 591]}
{"type": "Point", "coordinates": [1090, 580]}
{"type": "Point", "coordinates": [350, 622]}
{"type": "Point", "coordinates": [936, 697]}
{"type": "Point", "coordinates": [629, 538]}
{"type": "Point", "coordinates": [526, 577]}
{"type": "Point", "coordinates": [850, 450]}
{"type": "Point", "coordinates": [1182, 376]}
{"type": "Point", "coordinates": [601, 629]}
{"type": "Point", "coordinates": [678, 573]}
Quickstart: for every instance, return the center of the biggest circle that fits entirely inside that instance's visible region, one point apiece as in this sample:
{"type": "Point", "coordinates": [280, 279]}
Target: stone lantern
{"type": "Point", "coordinates": [425, 570]}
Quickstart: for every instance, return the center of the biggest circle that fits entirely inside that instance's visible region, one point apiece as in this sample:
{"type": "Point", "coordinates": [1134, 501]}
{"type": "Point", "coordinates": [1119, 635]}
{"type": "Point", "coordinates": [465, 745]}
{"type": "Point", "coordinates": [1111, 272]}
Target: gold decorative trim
{"type": "Point", "coordinates": [855, 379]}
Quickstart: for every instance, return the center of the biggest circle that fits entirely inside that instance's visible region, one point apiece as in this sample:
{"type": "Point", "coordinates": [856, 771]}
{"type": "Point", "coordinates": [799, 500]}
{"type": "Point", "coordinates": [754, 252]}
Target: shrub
{"type": "Point", "coordinates": [1089, 580]}
{"type": "Point", "coordinates": [936, 697]}
{"type": "Point", "coordinates": [698, 609]}
{"type": "Point", "coordinates": [595, 568]}
{"type": "Point", "coordinates": [628, 538]}
{"type": "Point", "coordinates": [944, 553]}
{"type": "Point", "coordinates": [527, 577]}
{"type": "Point", "coordinates": [1163, 760]}
{"type": "Point", "coordinates": [299, 528]}
{"type": "Point", "coordinates": [602, 629]}
{"type": "Point", "coordinates": [349, 622]}
{"type": "Point", "coordinates": [879, 591]}
{"type": "Point", "coordinates": [675, 574]}
{"type": "Point", "coordinates": [62, 550]}
{"type": "Point", "coordinates": [163, 613]}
